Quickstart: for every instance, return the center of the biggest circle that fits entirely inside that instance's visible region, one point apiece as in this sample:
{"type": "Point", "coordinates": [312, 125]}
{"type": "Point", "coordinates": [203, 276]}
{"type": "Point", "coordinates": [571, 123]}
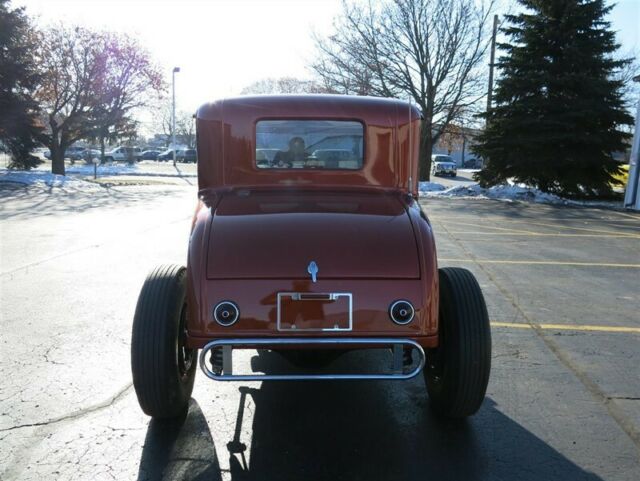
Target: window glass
{"type": "Point", "coordinates": [309, 144]}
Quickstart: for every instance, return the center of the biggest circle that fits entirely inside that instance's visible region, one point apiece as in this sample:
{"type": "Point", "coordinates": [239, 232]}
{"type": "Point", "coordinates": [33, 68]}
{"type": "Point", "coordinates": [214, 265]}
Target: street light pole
{"type": "Point", "coordinates": [632, 192]}
{"type": "Point", "coordinates": [173, 114]}
{"type": "Point", "coordinates": [491, 66]}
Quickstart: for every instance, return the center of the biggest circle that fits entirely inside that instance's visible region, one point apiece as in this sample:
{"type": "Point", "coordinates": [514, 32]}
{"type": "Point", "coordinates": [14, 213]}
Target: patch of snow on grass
{"type": "Point", "coordinates": [38, 178]}
{"type": "Point", "coordinates": [108, 169]}
{"type": "Point", "coordinates": [430, 187]}
{"type": "Point", "coordinates": [507, 192]}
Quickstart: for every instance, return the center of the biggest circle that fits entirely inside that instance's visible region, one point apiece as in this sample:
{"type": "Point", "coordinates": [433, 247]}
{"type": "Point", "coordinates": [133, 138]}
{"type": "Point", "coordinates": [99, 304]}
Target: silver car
{"type": "Point", "coordinates": [443, 165]}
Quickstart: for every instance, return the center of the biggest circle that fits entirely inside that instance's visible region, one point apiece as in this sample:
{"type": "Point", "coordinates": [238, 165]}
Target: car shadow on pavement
{"type": "Point", "coordinates": [334, 430]}
{"type": "Point", "coordinates": [382, 431]}
{"type": "Point", "coordinates": [181, 449]}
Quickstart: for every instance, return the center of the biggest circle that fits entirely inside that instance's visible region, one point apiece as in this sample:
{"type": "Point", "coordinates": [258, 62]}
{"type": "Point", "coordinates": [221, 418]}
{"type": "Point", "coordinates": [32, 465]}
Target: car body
{"type": "Point", "coordinates": [74, 153]}
{"type": "Point", "coordinates": [150, 154]}
{"type": "Point", "coordinates": [473, 163]}
{"type": "Point", "coordinates": [189, 155]}
{"type": "Point", "coordinates": [443, 165]}
{"type": "Point", "coordinates": [89, 154]}
{"type": "Point", "coordinates": [123, 154]}
{"type": "Point", "coordinates": [322, 245]}
{"type": "Point", "coordinates": [167, 155]}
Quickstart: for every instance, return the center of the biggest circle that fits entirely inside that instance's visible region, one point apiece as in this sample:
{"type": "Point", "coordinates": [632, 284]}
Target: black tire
{"type": "Point", "coordinates": [457, 371]}
{"type": "Point", "coordinates": [163, 369]}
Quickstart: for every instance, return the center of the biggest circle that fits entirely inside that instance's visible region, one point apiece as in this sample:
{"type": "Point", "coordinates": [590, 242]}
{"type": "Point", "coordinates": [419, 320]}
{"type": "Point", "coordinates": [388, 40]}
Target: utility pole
{"type": "Point", "coordinates": [491, 65]}
{"type": "Point", "coordinates": [173, 114]}
{"type": "Point", "coordinates": [632, 192]}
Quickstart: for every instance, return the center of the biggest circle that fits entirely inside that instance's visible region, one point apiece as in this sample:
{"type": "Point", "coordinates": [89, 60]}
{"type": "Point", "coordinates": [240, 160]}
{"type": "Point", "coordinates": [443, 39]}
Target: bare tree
{"type": "Point", "coordinates": [431, 51]}
{"type": "Point", "coordinates": [90, 83]}
{"type": "Point", "coordinates": [282, 85]}
{"type": "Point", "coordinates": [161, 124]}
{"type": "Point", "coordinates": [186, 128]}
{"type": "Point", "coordinates": [129, 81]}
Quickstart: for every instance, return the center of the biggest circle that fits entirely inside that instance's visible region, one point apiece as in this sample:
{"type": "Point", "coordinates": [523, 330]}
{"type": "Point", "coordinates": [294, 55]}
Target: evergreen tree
{"type": "Point", "coordinates": [558, 109]}
{"type": "Point", "coordinates": [18, 76]}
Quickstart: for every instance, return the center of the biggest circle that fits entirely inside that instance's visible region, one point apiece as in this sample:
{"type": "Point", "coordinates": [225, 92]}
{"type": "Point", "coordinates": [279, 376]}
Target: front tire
{"type": "Point", "coordinates": [457, 371]}
{"type": "Point", "coordinates": [163, 368]}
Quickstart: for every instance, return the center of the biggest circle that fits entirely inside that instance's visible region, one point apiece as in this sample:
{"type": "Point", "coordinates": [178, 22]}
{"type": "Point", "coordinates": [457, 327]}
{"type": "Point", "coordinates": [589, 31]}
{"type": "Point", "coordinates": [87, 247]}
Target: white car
{"type": "Point", "coordinates": [126, 154]}
{"type": "Point", "coordinates": [443, 165]}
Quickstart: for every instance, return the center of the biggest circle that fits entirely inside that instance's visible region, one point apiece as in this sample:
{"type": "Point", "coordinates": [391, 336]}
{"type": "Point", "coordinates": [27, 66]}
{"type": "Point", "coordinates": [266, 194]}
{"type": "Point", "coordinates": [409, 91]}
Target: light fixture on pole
{"type": "Point", "coordinates": [173, 114]}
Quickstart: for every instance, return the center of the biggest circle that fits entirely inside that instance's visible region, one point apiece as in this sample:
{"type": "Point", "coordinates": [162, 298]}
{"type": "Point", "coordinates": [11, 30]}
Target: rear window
{"type": "Point", "coordinates": [309, 144]}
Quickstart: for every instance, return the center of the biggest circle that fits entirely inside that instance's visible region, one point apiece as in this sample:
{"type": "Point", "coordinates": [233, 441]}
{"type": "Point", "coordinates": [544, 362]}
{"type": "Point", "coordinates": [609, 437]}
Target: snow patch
{"type": "Point", "coordinates": [503, 192]}
{"type": "Point", "coordinates": [39, 178]}
{"type": "Point", "coordinates": [511, 193]}
{"type": "Point", "coordinates": [430, 187]}
{"type": "Point", "coordinates": [108, 169]}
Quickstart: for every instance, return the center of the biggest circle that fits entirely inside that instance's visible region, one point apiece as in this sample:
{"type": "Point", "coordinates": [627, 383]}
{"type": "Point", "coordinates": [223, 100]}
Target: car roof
{"type": "Point", "coordinates": [227, 141]}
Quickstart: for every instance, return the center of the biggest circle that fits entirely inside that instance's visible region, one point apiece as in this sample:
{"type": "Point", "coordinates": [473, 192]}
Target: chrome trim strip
{"type": "Point", "coordinates": [344, 341]}
{"type": "Point", "coordinates": [308, 296]}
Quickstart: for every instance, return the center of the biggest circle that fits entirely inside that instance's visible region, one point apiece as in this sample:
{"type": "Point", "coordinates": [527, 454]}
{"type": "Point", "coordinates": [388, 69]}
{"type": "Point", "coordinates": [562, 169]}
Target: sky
{"type": "Point", "coordinates": [222, 46]}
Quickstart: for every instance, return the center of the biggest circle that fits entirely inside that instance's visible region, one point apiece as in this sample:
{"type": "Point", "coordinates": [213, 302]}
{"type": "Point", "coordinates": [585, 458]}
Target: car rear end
{"type": "Point", "coordinates": [314, 270]}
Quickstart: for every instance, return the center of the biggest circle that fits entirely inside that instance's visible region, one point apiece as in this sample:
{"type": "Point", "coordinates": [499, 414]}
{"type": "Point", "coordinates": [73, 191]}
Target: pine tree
{"type": "Point", "coordinates": [18, 76]}
{"type": "Point", "coordinates": [558, 109]}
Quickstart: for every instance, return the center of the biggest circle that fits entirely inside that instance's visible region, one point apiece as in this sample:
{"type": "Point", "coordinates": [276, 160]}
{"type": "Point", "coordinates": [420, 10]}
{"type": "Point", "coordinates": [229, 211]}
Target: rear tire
{"type": "Point", "coordinates": [163, 368]}
{"type": "Point", "coordinates": [457, 371]}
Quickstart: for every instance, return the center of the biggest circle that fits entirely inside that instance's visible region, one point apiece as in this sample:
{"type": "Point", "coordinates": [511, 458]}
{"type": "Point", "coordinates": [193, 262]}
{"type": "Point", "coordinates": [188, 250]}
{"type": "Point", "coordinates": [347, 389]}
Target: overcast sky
{"type": "Point", "coordinates": [223, 45]}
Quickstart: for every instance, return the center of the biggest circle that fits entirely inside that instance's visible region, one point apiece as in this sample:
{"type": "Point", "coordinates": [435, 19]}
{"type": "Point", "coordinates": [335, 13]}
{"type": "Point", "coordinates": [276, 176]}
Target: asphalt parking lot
{"type": "Point", "coordinates": [563, 291]}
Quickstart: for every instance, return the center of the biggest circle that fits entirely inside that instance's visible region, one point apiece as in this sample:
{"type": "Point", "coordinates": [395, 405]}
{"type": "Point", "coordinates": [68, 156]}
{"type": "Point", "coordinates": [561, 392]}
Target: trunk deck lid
{"type": "Point", "coordinates": [275, 235]}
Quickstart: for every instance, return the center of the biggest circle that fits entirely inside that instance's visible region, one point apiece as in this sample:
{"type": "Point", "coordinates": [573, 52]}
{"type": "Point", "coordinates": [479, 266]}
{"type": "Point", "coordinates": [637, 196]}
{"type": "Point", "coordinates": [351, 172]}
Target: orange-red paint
{"type": "Point", "coordinates": [255, 230]}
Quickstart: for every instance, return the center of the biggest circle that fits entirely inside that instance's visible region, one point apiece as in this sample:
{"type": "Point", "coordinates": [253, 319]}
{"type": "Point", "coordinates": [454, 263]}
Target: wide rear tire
{"type": "Point", "coordinates": [163, 368]}
{"type": "Point", "coordinates": [457, 372]}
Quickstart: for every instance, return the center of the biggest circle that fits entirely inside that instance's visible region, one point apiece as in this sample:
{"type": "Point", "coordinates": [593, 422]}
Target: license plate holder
{"type": "Point", "coordinates": [314, 311]}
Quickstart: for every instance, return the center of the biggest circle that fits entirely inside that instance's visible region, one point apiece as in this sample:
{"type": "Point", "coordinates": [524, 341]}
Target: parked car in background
{"type": "Point", "coordinates": [150, 154]}
{"type": "Point", "coordinates": [189, 155]}
{"type": "Point", "coordinates": [123, 154]}
{"type": "Point", "coordinates": [473, 164]}
{"type": "Point", "coordinates": [89, 154]}
{"type": "Point", "coordinates": [167, 155]}
{"type": "Point", "coordinates": [443, 165]}
{"type": "Point", "coordinates": [74, 153]}
{"type": "Point", "coordinates": [181, 155]}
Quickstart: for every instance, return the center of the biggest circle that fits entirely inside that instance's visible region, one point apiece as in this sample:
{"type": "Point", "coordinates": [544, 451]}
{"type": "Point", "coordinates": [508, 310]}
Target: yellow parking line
{"type": "Point", "coordinates": [599, 231]}
{"type": "Point", "coordinates": [531, 223]}
{"type": "Point", "coordinates": [534, 234]}
{"type": "Point", "coordinates": [544, 263]}
{"type": "Point", "coordinates": [567, 327]}
{"type": "Point", "coordinates": [501, 229]}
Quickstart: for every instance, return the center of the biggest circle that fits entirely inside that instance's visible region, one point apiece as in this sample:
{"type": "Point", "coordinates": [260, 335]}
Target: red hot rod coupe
{"type": "Point", "coordinates": [308, 238]}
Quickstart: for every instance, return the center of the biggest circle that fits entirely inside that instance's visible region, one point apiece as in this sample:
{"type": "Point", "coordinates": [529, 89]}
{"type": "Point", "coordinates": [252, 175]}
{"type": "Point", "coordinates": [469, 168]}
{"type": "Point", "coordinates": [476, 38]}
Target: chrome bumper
{"type": "Point", "coordinates": [395, 344]}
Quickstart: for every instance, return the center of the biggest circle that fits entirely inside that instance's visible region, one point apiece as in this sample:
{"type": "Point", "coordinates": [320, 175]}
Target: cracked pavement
{"type": "Point", "coordinates": [561, 404]}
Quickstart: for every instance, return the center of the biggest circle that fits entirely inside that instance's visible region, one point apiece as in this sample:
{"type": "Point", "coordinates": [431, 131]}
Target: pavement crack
{"type": "Point", "coordinates": [76, 414]}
